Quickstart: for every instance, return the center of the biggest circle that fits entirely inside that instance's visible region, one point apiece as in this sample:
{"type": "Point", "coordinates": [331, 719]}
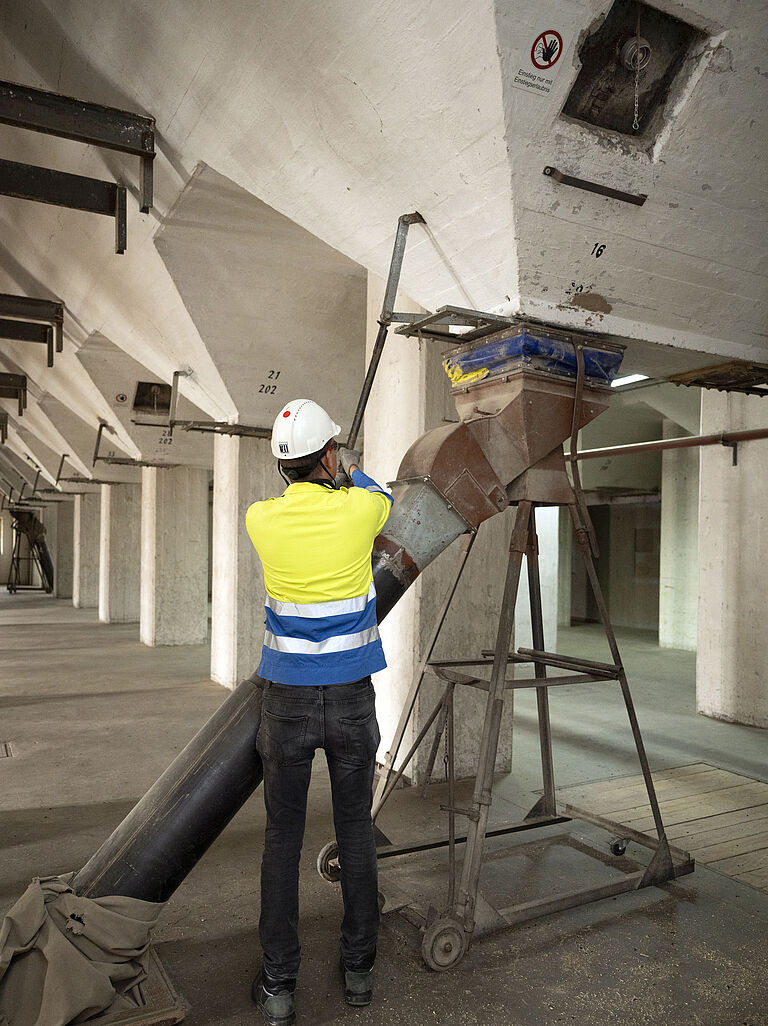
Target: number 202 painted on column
{"type": "Point", "coordinates": [270, 389]}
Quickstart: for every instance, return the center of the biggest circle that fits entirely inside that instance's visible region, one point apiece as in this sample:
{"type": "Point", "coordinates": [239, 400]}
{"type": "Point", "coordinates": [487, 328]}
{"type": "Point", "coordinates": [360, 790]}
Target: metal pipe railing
{"type": "Point", "coordinates": [727, 438]}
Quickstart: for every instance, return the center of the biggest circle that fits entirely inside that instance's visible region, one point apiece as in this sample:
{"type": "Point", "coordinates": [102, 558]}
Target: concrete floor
{"type": "Point", "coordinates": [94, 717]}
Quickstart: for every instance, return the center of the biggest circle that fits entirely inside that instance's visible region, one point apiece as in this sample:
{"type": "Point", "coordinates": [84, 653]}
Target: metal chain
{"type": "Point", "coordinates": [636, 120]}
{"type": "Point", "coordinates": [445, 739]}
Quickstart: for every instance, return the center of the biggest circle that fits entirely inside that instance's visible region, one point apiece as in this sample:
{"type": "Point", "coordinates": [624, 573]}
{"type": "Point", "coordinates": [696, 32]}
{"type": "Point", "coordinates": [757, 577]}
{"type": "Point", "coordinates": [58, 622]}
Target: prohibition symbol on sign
{"type": "Point", "coordinates": [546, 49]}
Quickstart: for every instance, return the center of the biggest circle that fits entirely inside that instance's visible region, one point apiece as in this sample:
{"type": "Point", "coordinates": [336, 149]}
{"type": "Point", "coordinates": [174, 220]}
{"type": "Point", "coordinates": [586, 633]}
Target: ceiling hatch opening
{"type": "Point", "coordinates": [152, 400]}
{"type": "Point", "coordinates": [629, 66]}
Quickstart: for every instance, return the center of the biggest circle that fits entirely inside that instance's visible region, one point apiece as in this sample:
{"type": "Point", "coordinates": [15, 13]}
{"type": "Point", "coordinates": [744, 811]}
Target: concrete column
{"type": "Point", "coordinates": [120, 553]}
{"type": "Point", "coordinates": [732, 662]}
{"type": "Point", "coordinates": [564, 567]}
{"type": "Point", "coordinates": [679, 557]}
{"type": "Point", "coordinates": [85, 570]}
{"type": "Point", "coordinates": [409, 397]}
{"type": "Point", "coordinates": [244, 471]}
{"type": "Point", "coordinates": [6, 546]}
{"type": "Point", "coordinates": [174, 556]}
{"type": "Point", "coordinates": [63, 555]}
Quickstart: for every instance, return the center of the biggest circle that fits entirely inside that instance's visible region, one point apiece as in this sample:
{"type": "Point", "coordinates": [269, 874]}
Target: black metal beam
{"type": "Point", "coordinates": [3, 426]}
{"type": "Point", "coordinates": [42, 184]}
{"type": "Point", "coordinates": [14, 386]}
{"type": "Point", "coordinates": [70, 118]}
{"type": "Point", "coordinates": [29, 309]}
{"type": "Point", "coordinates": [28, 331]}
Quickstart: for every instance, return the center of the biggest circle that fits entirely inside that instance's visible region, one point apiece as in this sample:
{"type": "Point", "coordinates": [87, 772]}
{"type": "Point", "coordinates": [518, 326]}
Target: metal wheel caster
{"type": "Point", "coordinates": [618, 845]}
{"type": "Point", "coordinates": [328, 865]}
{"type": "Point", "coordinates": [443, 945]}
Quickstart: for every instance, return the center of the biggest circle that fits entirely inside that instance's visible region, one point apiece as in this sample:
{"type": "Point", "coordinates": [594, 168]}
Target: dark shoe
{"type": "Point", "coordinates": [358, 987]}
{"type": "Point", "coordinates": [276, 1001]}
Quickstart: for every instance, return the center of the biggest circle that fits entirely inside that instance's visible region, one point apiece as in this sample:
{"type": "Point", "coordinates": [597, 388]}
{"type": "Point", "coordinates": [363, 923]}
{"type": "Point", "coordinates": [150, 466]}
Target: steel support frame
{"type": "Point", "coordinates": [28, 331]}
{"type": "Point", "coordinates": [92, 123]}
{"type": "Point", "coordinates": [24, 308]}
{"type": "Point", "coordinates": [44, 185]}
{"type": "Point", "coordinates": [461, 908]}
{"type": "Point", "coordinates": [14, 386]}
{"type": "Point", "coordinates": [14, 572]}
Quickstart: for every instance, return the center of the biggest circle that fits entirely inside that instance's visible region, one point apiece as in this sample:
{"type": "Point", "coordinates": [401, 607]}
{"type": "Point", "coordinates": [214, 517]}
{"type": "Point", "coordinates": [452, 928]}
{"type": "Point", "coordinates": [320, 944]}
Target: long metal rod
{"type": "Point", "coordinates": [581, 505]}
{"type": "Point", "coordinates": [410, 701]}
{"type": "Point", "coordinates": [690, 442]}
{"type": "Point", "coordinates": [568, 662]}
{"type": "Point", "coordinates": [540, 668]}
{"type": "Point", "coordinates": [395, 850]}
{"type": "Point", "coordinates": [387, 309]}
{"type": "Point", "coordinates": [451, 801]}
{"type": "Point", "coordinates": [437, 738]}
{"type": "Point", "coordinates": [394, 780]}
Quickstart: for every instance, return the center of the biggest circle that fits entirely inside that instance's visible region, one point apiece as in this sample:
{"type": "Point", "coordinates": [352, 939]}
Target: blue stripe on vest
{"type": "Point", "coordinates": [321, 628]}
{"type": "Point", "coordinates": [330, 668]}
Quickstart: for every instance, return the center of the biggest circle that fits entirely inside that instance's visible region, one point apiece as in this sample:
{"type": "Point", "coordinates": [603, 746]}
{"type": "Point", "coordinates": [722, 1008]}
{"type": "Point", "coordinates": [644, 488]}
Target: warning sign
{"type": "Point", "coordinates": [538, 77]}
{"type": "Point", "coordinates": [546, 50]}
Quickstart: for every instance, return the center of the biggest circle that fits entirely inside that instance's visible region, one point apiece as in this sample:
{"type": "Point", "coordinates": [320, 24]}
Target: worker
{"type": "Point", "coordinates": [320, 648]}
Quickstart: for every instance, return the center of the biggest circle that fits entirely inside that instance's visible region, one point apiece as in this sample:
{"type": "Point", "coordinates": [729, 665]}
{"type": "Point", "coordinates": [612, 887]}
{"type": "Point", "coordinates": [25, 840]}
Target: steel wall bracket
{"type": "Point", "coordinates": [92, 123]}
{"type": "Point", "coordinates": [14, 386]}
{"type": "Point", "coordinates": [43, 185]}
{"type": "Point", "coordinates": [28, 331]}
{"type": "Point", "coordinates": [47, 310]}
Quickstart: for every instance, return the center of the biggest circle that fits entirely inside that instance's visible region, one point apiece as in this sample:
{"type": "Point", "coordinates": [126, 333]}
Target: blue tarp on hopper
{"type": "Point", "coordinates": [534, 352]}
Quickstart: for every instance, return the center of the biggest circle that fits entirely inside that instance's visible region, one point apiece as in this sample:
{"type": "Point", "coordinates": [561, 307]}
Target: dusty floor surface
{"type": "Point", "coordinates": [94, 717]}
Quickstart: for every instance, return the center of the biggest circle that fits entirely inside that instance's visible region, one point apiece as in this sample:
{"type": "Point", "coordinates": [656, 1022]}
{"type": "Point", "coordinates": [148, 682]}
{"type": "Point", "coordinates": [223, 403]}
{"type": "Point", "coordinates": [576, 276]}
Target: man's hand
{"type": "Point", "coordinates": [347, 458]}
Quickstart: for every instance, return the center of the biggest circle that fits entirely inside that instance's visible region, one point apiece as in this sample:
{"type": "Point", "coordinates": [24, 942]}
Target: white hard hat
{"type": "Point", "coordinates": [301, 427]}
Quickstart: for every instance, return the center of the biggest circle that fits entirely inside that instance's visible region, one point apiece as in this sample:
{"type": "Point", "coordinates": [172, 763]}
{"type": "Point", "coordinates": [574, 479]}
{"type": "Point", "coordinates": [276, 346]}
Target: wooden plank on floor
{"type": "Point", "coordinates": [758, 878]}
{"type": "Point", "coordinates": [699, 834]}
{"type": "Point", "coordinates": [682, 810]}
{"type": "Point", "coordinates": [719, 825]}
{"type": "Point", "coordinates": [733, 847]}
{"type": "Point", "coordinates": [739, 864]}
{"type": "Point", "coordinates": [580, 793]}
{"type": "Point", "coordinates": [617, 797]}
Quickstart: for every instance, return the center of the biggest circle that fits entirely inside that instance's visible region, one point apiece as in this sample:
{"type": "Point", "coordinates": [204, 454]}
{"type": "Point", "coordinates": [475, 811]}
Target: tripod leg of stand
{"type": "Point", "coordinates": [661, 867]}
{"type": "Point", "coordinates": [481, 800]}
{"type": "Point", "coordinates": [545, 806]}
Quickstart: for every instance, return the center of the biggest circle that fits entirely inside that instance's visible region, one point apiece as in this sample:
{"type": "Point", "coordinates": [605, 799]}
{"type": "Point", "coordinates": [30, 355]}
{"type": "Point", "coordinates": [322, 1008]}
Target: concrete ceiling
{"type": "Point", "coordinates": [335, 119]}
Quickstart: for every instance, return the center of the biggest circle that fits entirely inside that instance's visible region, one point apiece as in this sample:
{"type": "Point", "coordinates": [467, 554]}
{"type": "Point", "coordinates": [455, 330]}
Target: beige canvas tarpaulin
{"type": "Point", "coordinates": [65, 959]}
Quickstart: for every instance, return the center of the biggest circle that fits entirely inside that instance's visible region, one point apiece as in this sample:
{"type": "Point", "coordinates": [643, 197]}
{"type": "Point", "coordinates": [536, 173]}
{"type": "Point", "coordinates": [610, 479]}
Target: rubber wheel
{"type": "Point", "coordinates": [328, 865]}
{"type": "Point", "coordinates": [443, 945]}
{"type": "Point", "coordinates": [618, 845]}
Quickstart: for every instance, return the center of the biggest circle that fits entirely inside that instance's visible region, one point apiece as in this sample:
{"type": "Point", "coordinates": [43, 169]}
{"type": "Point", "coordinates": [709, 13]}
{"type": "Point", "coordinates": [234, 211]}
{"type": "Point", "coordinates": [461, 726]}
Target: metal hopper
{"type": "Point", "coordinates": [514, 393]}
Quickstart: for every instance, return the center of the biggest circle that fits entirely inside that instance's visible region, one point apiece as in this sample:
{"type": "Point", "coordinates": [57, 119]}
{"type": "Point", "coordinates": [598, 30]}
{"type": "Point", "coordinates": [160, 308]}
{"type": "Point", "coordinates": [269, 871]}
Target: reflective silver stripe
{"type": "Point", "coordinates": [317, 610]}
{"type": "Point", "coordinates": [341, 643]}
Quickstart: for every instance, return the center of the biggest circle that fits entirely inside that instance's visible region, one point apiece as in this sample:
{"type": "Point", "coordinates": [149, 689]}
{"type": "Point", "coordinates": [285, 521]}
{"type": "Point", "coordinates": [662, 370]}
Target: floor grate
{"type": "Point", "coordinates": [6, 752]}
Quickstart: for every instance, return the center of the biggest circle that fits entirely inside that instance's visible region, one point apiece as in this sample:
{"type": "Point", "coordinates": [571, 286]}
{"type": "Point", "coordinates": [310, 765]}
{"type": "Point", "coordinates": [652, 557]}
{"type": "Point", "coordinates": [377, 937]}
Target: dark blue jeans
{"type": "Point", "coordinates": [296, 720]}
